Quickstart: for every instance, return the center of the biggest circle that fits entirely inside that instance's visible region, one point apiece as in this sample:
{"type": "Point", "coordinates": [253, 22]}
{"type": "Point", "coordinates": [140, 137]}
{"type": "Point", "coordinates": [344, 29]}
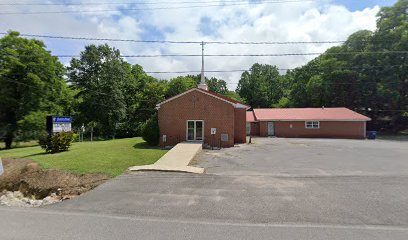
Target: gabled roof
{"type": "Point", "coordinates": [250, 117]}
{"type": "Point", "coordinates": [235, 103]}
{"type": "Point", "coordinates": [302, 114]}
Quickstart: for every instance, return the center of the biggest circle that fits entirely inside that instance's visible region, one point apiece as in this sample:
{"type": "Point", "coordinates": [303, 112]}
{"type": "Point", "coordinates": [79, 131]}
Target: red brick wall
{"type": "Point", "coordinates": [240, 125]}
{"type": "Point", "coordinates": [216, 113]}
{"type": "Point", "coordinates": [254, 128]}
{"type": "Point", "coordinates": [326, 130]}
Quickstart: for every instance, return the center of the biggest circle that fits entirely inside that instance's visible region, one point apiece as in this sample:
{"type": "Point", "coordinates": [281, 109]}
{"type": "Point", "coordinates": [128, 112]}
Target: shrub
{"type": "Point", "coordinates": [57, 142]}
{"type": "Point", "coordinates": [150, 131]}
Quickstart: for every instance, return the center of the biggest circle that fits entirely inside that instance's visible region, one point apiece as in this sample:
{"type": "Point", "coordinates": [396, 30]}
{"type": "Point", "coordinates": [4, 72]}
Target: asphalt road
{"type": "Point", "coordinates": [40, 224]}
{"type": "Point", "coordinates": [280, 188]}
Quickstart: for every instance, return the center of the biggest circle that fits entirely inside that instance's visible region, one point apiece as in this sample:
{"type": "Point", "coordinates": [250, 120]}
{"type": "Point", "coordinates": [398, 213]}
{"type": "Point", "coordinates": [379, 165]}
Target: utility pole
{"type": "Point", "coordinates": [202, 82]}
{"type": "Point", "coordinates": [202, 63]}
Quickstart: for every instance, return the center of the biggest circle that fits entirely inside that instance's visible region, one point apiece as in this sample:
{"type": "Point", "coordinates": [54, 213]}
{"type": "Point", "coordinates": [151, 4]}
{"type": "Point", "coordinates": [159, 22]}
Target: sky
{"type": "Point", "coordinates": [199, 20]}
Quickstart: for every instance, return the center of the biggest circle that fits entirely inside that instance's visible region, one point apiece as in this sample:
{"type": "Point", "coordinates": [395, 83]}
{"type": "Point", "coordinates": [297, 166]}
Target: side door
{"type": "Point", "coordinates": [271, 129]}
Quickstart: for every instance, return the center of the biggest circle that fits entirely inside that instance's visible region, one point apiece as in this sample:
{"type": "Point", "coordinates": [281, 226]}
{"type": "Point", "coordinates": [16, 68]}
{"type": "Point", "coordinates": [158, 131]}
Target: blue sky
{"type": "Point", "coordinates": [320, 20]}
{"type": "Point", "coordinates": [361, 4]}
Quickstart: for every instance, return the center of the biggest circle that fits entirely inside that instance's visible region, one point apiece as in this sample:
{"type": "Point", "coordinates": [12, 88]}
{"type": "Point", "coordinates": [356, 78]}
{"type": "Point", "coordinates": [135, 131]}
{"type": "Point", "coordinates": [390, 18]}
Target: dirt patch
{"type": "Point", "coordinates": [28, 178]}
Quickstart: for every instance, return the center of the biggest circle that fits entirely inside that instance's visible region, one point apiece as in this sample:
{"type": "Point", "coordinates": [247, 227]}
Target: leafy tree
{"type": "Point", "coordinates": [235, 96]}
{"type": "Point", "coordinates": [142, 98]}
{"type": "Point", "coordinates": [218, 86]}
{"type": "Point", "coordinates": [373, 84]}
{"type": "Point", "coordinates": [215, 85]}
{"type": "Point", "coordinates": [260, 86]}
{"type": "Point", "coordinates": [180, 84]}
{"type": "Point", "coordinates": [101, 76]}
{"type": "Point", "coordinates": [392, 82]}
{"type": "Point", "coordinates": [31, 85]}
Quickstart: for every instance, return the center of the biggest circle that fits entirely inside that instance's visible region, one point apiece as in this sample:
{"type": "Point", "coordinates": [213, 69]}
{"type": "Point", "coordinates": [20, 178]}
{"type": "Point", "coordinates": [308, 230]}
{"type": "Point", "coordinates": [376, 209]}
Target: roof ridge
{"type": "Point", "coordinates": [300, 114]}
{"type": "Point", "coordinates": [205, 92]}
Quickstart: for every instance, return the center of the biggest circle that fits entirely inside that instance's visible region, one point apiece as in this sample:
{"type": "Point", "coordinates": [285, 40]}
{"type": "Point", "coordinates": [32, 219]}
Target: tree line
{"type": "Point", "coordinates": [99, 89]}
{"type": "Point", "coordinates": [360, 74]}
{"type": "Point", "coordinates": [103, 91]}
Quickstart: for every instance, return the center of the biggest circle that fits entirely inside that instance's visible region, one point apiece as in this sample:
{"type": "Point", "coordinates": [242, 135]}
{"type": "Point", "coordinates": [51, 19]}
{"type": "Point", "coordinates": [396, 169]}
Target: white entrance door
{"type": "Point", "coordinates": [195, 130]}
{"type": "Point", "coordinates": [271, 130]}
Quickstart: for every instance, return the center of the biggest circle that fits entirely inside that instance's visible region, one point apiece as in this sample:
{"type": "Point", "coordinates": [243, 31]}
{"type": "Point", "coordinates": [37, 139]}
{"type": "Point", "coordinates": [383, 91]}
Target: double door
{"type": "Point", "coordinates": [195, 130]}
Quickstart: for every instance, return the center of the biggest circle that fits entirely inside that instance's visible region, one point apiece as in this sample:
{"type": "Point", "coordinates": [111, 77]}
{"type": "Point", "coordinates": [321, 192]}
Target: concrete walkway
{"type": "Point", "coordinates": [177, 159]}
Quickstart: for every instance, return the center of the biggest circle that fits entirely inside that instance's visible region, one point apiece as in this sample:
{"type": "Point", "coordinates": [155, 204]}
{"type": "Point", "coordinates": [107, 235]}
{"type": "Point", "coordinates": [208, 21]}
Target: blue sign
{"type": "Point", "coordinates": [62, 119]}
{"type": "Point", "coordinates": [60, 124]}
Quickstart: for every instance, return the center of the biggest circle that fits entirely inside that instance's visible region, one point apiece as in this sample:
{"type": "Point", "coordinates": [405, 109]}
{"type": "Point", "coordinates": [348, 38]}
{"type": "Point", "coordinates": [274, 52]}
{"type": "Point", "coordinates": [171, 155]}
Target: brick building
{"type": "Point", "coordinates": [307, 122]}
{"type": "Point", "coordinates": [194, 114]}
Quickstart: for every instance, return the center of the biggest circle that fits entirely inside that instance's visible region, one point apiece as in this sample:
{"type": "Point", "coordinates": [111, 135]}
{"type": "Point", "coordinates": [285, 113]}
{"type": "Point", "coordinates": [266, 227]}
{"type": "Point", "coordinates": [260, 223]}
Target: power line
{"type": "Point", "coordinates": [239, 55]}
{"type": "Point", "coordinates": [153, 8]}
{"type": "Point", "coordinates": [190, 42]}
{"type": "Point", "coordinates": [280, 69]}
{"type": "Point", "coordinates": [122, 3]}
{"type": "Point", "coordinates": [235, 55]}
{"type": "Point", "coordinates": [103, 39]}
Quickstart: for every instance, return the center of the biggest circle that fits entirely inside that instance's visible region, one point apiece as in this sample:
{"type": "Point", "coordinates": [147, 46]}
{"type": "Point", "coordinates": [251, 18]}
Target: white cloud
{"type": "Point", "coordinates": [308, 21]}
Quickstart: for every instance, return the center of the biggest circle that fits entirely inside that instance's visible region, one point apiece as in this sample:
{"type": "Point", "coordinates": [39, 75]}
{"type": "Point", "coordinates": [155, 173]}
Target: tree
{"type": "Point", "coordinates": [218, 86]}
{"type": "Point", "coordinates": [31, 85]}
{"type": "Point", "coordinates": [142, 98]}
{"type": "Point", "coordinates": [260, 86]}
{"type": "Point", "coordinates": [374, 84]}
{"type": "Point", "coordinates": [214, 84]}
{"type": "Point", "coordinates": [234, 96]}
{"type": "Point", "coordinates": [101, 76]}
{"type": "Point", "coordinates": [392, 82]}
{"type": "Point", "coordinates": [180, 84]}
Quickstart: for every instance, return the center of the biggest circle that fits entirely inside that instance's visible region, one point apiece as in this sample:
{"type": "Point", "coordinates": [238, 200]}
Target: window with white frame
{"type": "Point", "coordinates": [312, 124]}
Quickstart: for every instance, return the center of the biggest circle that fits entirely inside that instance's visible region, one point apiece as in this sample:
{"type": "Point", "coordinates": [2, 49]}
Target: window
{"type": "Point", "coordinates": [312, 124]}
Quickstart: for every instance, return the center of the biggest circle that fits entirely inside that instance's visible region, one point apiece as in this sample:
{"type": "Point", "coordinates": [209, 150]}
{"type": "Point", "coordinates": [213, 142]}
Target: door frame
{"type": "Point", "coordinates": [194, 120]}
{"type": "Point", "coordinates": [273, 128]}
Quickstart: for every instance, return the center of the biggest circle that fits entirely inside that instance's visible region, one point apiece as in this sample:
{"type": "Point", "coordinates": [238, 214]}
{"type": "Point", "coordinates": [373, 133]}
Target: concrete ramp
{"type": "Point", "coordinates": [177, 159]}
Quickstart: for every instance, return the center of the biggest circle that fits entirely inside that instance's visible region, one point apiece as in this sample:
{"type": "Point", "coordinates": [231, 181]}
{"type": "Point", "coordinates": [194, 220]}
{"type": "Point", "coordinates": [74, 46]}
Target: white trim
{"type": "Point", "coordinates": [236, 105]}
{"type": "Point", "coordinates": [365, 130]}
{"type": "Point", "coordinates": [312, 123]}
{"type": "Point", "coordinates": [239, 105]}
{"type": "Point", "coordinates": [194, 120]}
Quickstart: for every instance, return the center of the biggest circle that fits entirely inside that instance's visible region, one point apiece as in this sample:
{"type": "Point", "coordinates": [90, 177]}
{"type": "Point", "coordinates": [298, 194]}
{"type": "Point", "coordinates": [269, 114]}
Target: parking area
{"type": "Point", "coordinates": [309, 157]}
{"type": "Point", "coordinates": [296, 181]}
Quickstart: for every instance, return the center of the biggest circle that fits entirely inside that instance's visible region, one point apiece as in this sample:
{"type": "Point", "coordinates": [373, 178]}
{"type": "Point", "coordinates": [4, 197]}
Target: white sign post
{"type": "Point", "coordinates": [213, 132]}
{"type": "Point", "coordinates": [1, 167]}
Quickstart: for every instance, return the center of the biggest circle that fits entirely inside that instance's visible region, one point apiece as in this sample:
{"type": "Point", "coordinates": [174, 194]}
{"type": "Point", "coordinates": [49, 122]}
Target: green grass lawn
{"type": "Point", "coordinates": [20, 144]}
{"type": "Point", "coordinates": [111, 157]}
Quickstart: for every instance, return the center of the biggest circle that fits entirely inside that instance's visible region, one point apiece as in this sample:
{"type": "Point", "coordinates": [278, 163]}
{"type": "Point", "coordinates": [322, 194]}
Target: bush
{"type": "Point", "coordinates": [150, 131]}
{"type": "Point", "coordinates": [57, 142]}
